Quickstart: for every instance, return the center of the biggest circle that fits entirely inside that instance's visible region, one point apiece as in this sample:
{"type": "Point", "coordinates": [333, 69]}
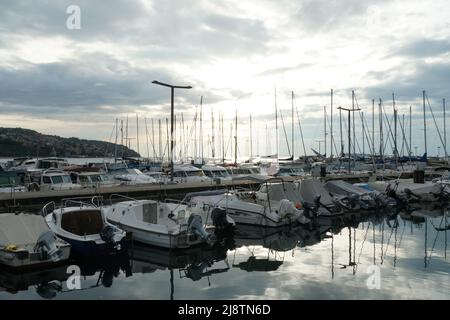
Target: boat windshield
{"type": "Point", "coordinates": [195, 173]}
{"type": "Point", "coordinates": [61, 179]}
{"type": "Point", "coordinates": [222, 173]}
{"type": "Point", "coordinates": [96, 178]}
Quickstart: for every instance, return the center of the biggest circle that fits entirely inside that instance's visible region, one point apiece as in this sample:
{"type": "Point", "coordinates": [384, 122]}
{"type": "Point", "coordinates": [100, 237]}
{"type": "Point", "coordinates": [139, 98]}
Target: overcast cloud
{"type": "Point", "coordinates": [234, 53]}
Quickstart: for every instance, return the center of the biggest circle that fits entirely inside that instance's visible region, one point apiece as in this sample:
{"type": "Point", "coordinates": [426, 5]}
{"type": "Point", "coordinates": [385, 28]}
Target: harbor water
{"type": "Point", "coordinates": [365, 256]}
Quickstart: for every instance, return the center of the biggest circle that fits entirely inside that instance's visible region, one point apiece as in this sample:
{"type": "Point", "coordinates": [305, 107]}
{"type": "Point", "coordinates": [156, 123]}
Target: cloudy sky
{"type": "Point", "coordinates": [75, 82]}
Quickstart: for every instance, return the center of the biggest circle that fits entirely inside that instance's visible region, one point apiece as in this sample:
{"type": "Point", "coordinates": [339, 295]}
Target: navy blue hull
{"type": "Point", "coordinates": [90, 248]}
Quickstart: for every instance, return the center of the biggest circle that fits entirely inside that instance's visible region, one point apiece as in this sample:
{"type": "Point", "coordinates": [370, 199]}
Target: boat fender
{"type": "Point", "coordinates": [11, 248]}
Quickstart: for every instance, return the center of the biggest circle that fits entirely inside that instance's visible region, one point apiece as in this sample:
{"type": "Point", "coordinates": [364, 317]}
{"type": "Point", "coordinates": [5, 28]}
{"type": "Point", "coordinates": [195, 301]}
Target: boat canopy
{"type": "Point", "coordinates": [21, 229]}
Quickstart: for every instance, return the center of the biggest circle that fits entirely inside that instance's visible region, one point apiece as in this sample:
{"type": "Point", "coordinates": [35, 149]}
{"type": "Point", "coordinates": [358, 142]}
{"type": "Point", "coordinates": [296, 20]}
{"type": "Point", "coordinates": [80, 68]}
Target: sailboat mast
{"type": "Point", "coordinates": [127, 141]}
{"type": "Point", "coordinates": [325, 130]}
{"type": "Point", "coordinates": [167, 140]}
{"type": "Point", "coordinates": [201, 127]}
{"type": "Point", "coordinates": [276, 123]}
{"type": "Point", "coordinates": [363, 136]}
{"type": "Point", "coordinates": [223, 142]}
{"type": "Point", "coordinates": [137, 133]}
{"type": "Point", "coordinates": [251, 137]}
{"type": "Point", "coordinates": [153, 140]}
{"type": "Point", "coordinates": [340, 129]}
{"type": "Point", "coordinates": [410, 131]}
{"type": "Point", "coordinates": [121, 136]}
{"type": "Point", "coordinates": [445, 132]}
{"type": "Point", "coordinates": [292, 124]}
{"type": "Point", "coordinates": [115, 144]}
{"type": "Point", "coordinates": [213, 146]}
{"type": "Point", "coordinates": [354, 133]}
{"type": "Point", "coordinates": [395, 130]}
{"type": "Point", "coordinates": [146, 135]}
{"type": "Point", "coordinates": [160, 140]}
{"type": "Point", "coordinates": [381, 129]}
{"type": "Point", "coordinates": [424, 123]}
{"type": "Point", "coordinates": [235, 139]}
{"type": "Point", "coordinates": [373, 126]}
{"type": "Point", "coordinates": [331, 124]}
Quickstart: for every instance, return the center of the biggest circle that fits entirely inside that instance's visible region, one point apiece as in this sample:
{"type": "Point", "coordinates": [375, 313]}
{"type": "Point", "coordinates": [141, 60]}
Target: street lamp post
{"type": "Point", "coordinates": [172, 89]}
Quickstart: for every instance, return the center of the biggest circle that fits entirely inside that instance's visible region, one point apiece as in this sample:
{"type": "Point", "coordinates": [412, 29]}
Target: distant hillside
{"type": "Point", "coordinates": [18, 142]}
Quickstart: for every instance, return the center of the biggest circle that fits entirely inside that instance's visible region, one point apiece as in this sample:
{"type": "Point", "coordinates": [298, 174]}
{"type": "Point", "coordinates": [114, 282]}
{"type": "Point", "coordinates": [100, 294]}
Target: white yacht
{"type": "Point", "coordinates": [216, 172]}
{"type": "Point", "coordinates": [161, 224]}
{"type": "Point", "coordinates": [53, 179]}
{"type": "Point", "coordinates": [32, 165]}
{"type": "Point", "coordinates": [188, 173]}
{"type": "Point", "coordinates": [93, 180]}
{"type": "Point", "coordinates": [132, 177]}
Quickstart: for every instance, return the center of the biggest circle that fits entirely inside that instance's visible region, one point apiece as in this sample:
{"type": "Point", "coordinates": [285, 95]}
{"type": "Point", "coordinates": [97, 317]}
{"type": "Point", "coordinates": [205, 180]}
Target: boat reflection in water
{"type": "Point", "coordinates": [255, 258]}
{"type": "Point", "coordinates": [51, 282]}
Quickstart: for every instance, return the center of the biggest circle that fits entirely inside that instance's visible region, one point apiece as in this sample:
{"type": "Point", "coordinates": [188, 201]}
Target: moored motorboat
{"type": "Point", "coordinates": [26, 242]}
{"type": "Point", "coordinates": [161, 224]}
{"type": "Point", "coordinates": [243, 208]}
{"type": "Point", "coordinates": [85, 227]}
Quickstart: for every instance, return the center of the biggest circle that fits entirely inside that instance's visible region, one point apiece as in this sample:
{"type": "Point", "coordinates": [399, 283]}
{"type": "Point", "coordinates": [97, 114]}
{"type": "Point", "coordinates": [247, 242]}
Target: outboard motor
{"type": "Point", "coordinates": [108, 234]}
{"type": "Point", "coordinates": [221, 220]}
{"type": "Point", "coordinates": [196, 225]}
{"type": "Point", "coordinates": [354, 200]}
{"type": "Point", "coordinates": [411, 195]}
{"type": "Point", "coordinates": [46, 245]}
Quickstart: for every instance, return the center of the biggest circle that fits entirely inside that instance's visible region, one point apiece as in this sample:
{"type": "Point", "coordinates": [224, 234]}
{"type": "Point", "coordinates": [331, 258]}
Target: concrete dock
{"type": "Point", "coordinates": [11, 202]}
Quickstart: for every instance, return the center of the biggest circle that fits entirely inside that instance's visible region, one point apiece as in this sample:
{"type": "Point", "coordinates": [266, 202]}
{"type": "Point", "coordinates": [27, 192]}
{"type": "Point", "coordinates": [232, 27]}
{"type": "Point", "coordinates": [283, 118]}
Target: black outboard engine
{"type": "Point", "coordinates": [221, 220]}
{"type": "Point", "coordinates": [108, 234]}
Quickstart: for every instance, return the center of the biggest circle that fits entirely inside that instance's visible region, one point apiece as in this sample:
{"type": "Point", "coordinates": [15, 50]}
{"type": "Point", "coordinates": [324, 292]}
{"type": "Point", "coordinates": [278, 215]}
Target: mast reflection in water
{"type": "Point", "coordinates": [328, 259]}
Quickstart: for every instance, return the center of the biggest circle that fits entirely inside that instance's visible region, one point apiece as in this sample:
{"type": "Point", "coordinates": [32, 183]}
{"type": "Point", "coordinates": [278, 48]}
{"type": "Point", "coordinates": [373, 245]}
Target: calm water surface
{"type": "Point", "coordinates": [333, 260]}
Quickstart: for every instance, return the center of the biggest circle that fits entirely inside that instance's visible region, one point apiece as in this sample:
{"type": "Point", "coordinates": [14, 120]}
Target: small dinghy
{"type": "Point", "coordinates": [161, 224]}
{"type": "Point", "coordinates": [85, 228]}
{"type": "Point", "coordinates": [27, 242]}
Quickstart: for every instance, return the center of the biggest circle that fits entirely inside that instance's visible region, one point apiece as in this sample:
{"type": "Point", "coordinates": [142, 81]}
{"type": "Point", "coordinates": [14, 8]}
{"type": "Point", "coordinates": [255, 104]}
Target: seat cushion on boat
{"type": "Point", "coordinates": [21, 229]}
{"type": "Point", "coordinates": [83, 222]}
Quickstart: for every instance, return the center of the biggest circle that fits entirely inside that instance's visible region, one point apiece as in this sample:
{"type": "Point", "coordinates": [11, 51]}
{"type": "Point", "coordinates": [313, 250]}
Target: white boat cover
{"type": "Point", "coordinates": [341, 187]}
{"type": "Point", "coordinates": [21, 229]}
{"type": "Point", "coordinates": [310, 188]}
{"type": "Point", "coordinates": [282, 191]}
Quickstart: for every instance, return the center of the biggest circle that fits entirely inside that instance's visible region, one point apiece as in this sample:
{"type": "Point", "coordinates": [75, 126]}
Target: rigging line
{"type": "Point", "coordinates": [332, 136]}
{"type": "Point", "coordinates": [284, 130]}
{"type": "Point", "coordinates": [390, 138]}
{"type": "Point", "coordinates": [191, 132]}
{"type": "Point", "coordinates": [301, 131]}
{"type": "Point", "coordinates": [109, 140]}
{"type": "Point", "coordinates": [437, 128]}
{"type": "Point", "coordinates": [408, 147]}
